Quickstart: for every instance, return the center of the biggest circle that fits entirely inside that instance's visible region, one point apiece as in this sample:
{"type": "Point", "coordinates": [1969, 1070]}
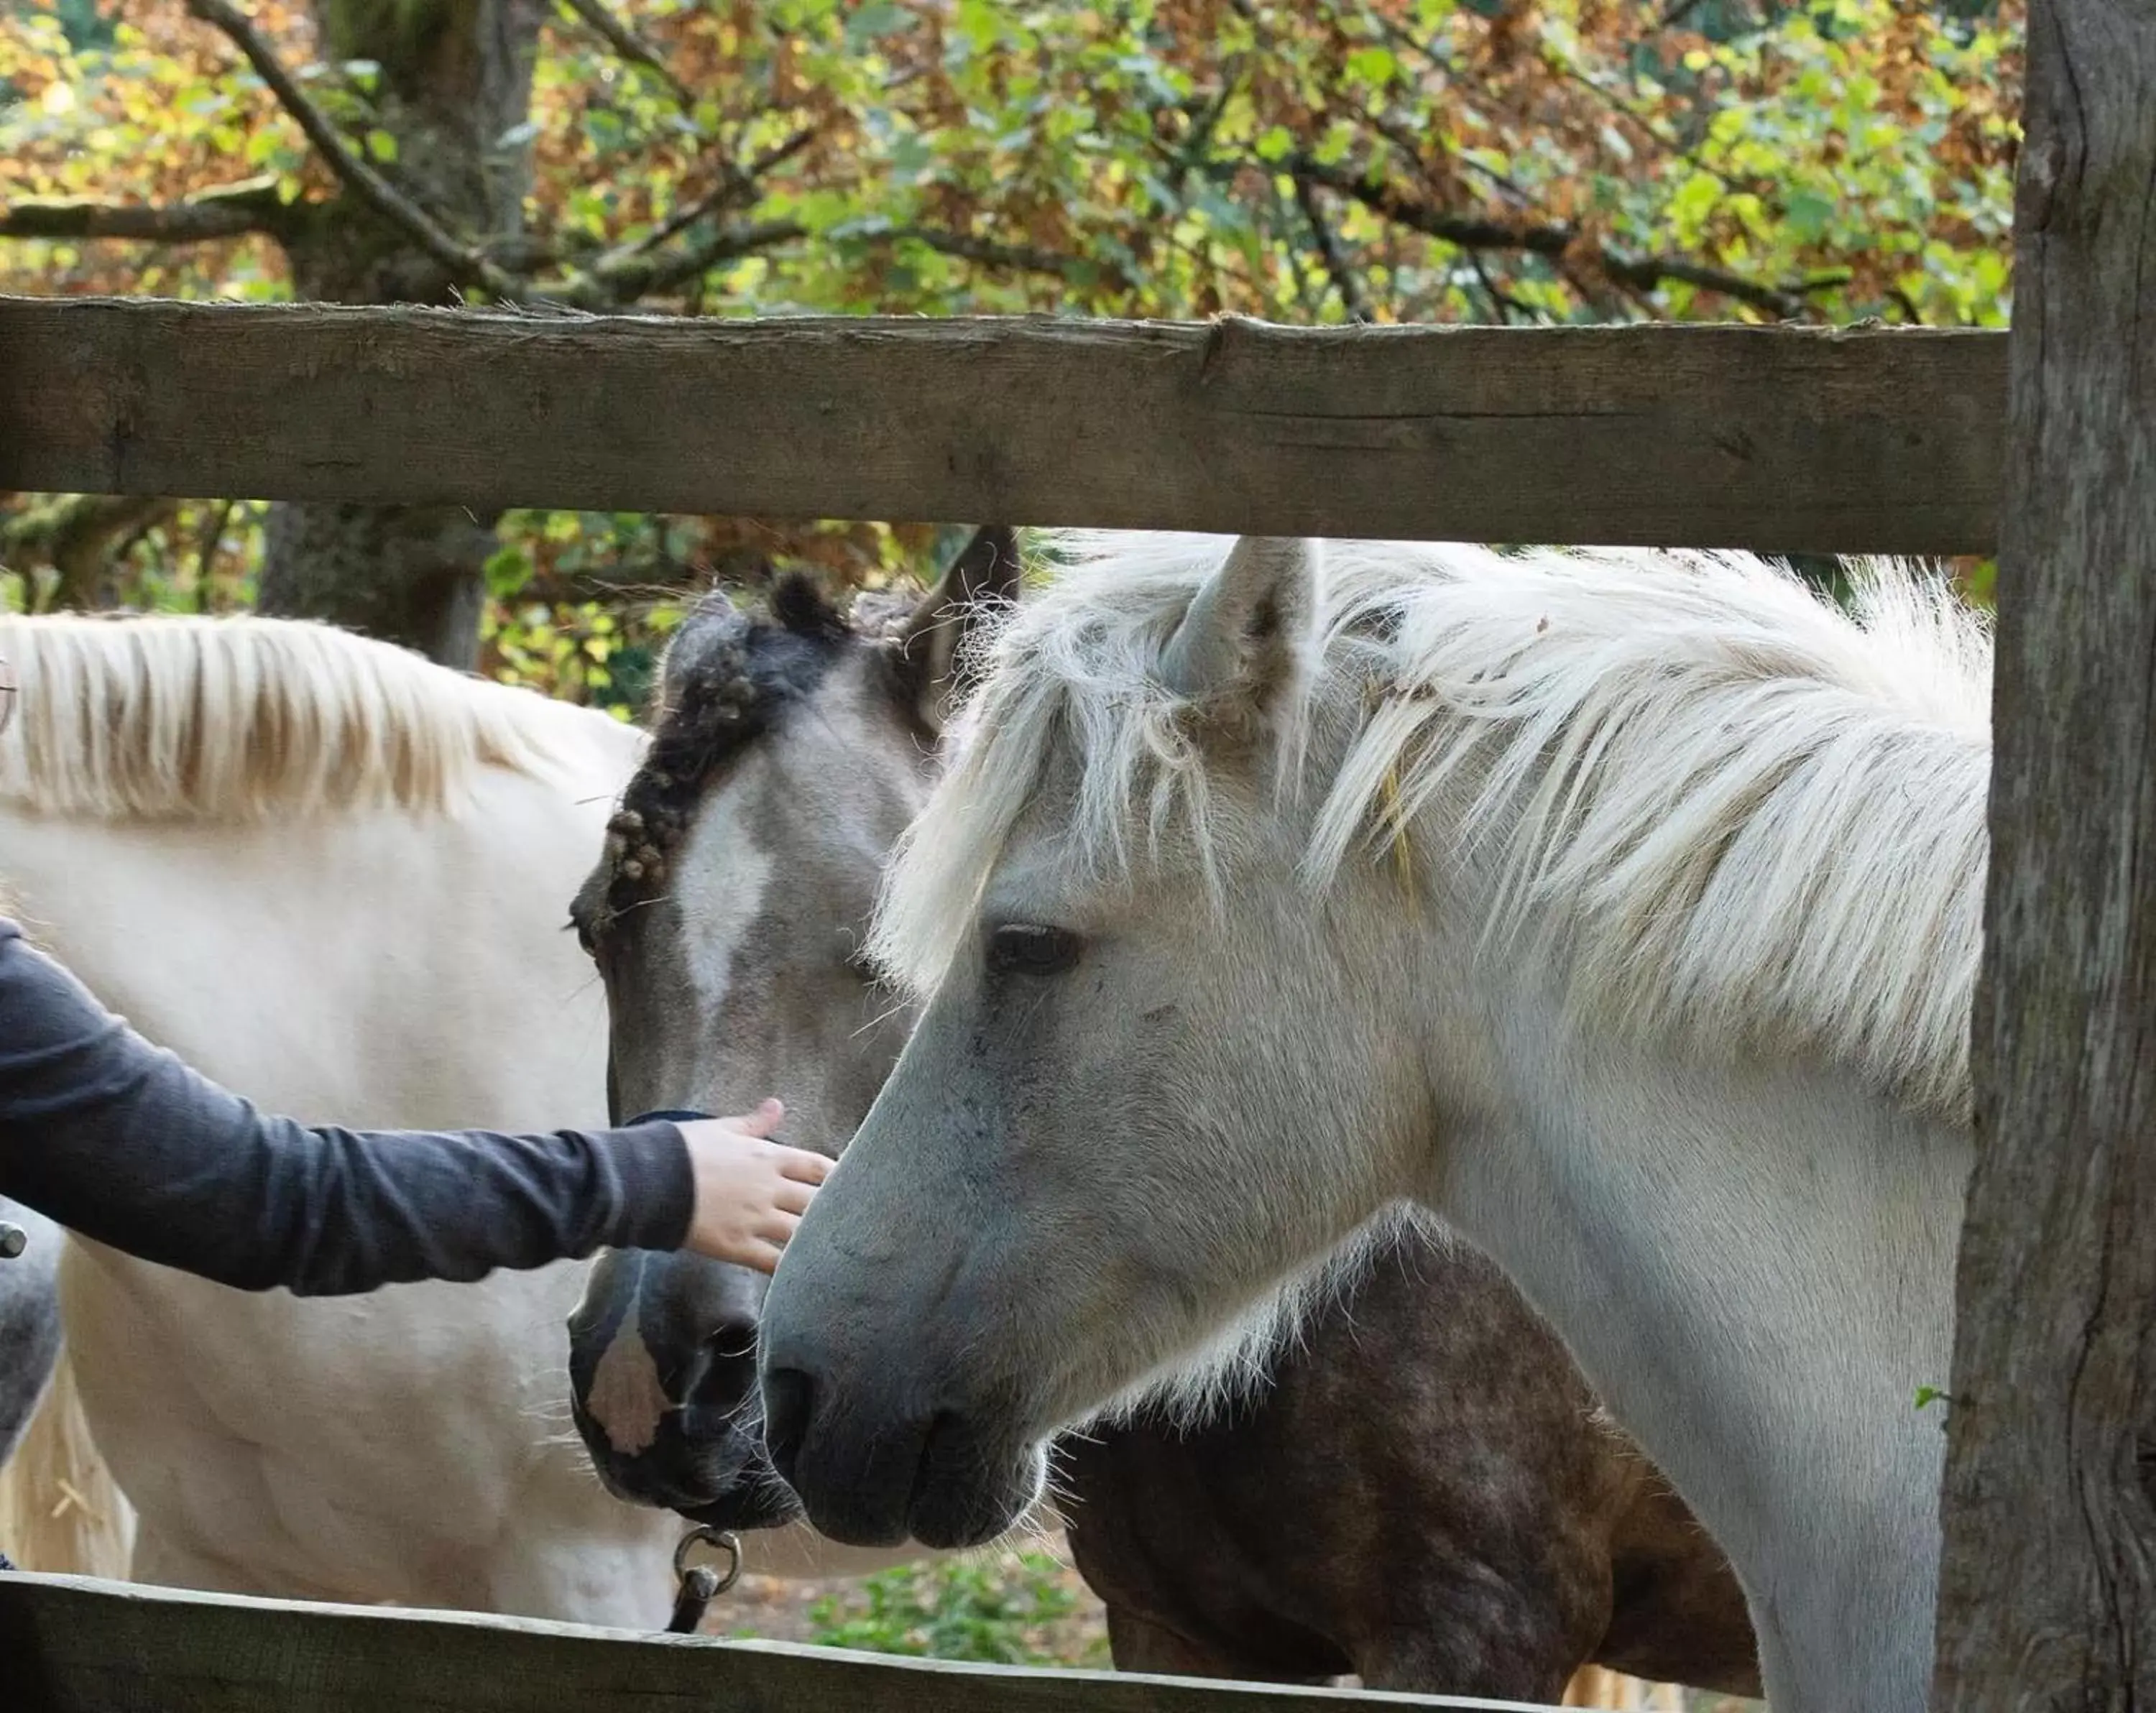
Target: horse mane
{"type": "Point", "coordinates": [173, 716]}
{"type": "Point", "coordinates": [1716, 802]}
{"type": "Point", "coordinates": [728, 677]}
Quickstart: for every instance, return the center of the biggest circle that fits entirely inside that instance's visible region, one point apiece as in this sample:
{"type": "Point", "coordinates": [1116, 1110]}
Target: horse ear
{"type": "Point", "coordinates": [1249, 626]}
{"type": "Point", "coordinates": [927, 651]}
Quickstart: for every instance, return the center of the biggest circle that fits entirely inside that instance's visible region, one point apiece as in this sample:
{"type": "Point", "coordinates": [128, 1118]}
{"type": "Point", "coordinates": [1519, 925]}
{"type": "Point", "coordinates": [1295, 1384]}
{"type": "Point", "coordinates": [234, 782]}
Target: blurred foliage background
{"type": "Point", "coordinates": [1308, 161]}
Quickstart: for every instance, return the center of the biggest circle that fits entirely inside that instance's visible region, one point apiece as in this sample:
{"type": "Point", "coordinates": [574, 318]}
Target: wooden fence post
{"type": "Point", "coordinates": [2048, 1589]}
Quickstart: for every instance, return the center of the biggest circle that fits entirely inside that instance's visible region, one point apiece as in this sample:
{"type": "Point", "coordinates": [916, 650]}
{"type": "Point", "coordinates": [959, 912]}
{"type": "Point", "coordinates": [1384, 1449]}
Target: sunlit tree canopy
{"type": "Point", "coordinates": [1516, 160]}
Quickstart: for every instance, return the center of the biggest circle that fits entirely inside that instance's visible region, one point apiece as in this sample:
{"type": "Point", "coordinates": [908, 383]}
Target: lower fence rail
{"type": "Point", "coordinates": [72, 1644]}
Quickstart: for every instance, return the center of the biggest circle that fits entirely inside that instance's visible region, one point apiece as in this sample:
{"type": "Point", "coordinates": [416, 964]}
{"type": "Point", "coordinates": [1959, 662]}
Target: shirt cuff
{"type": "Point", "coordinates": [658, 1189]}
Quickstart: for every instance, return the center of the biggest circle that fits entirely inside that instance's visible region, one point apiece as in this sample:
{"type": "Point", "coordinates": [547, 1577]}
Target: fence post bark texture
{"type": "Point", "coordinates": [2048, 1587]}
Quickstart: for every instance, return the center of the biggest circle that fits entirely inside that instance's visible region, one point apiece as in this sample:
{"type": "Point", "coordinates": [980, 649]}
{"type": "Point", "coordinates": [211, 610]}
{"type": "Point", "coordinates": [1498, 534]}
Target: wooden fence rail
{"type": "Point", "coordinates": [71, 1645]}
{"type": "Point", "coordinates": [1782, 440]}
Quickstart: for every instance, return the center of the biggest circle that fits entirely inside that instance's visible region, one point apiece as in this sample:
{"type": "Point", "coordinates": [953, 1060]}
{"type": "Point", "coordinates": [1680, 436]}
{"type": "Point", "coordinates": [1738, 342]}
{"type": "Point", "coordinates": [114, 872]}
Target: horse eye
{"type": "Point", "coordinates": [1026, 949]}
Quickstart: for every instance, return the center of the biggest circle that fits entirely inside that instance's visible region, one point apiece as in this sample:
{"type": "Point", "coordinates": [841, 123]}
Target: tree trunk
{"type": "Point", "coordinates": [455, 86]}
{"type": "Point", "coordinates": [74, 535]}
{"type": "Point", "coordinates": [405, 574]}
{"type": "Point", "coordinates": [2048, 1589]}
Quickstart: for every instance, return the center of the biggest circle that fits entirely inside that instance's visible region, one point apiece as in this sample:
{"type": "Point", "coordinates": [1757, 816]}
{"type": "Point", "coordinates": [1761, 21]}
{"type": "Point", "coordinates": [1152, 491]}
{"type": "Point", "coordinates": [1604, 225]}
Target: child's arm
{"type": "Point", "coordinates": [122, 1142]}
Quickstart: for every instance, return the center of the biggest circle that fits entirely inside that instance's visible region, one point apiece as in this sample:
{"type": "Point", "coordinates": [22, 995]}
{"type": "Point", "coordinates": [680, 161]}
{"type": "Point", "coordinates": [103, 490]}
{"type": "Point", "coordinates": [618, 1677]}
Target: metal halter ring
{"type": "Point", "coordinates": [704, 1535]}
{"type": "Point", "coordinates": [697, 1585]}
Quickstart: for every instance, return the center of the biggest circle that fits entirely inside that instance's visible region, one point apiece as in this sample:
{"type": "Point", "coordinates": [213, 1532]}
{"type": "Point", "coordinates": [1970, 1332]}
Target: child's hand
{"type": "Point", "coordinates": [750, 1192]}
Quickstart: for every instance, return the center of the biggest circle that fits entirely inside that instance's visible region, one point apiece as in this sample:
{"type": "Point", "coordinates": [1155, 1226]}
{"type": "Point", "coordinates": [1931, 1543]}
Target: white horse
{"type": "Point", "coordinates": [1625, 907]}
{"type": "Point", "coordinates": [335, 878]}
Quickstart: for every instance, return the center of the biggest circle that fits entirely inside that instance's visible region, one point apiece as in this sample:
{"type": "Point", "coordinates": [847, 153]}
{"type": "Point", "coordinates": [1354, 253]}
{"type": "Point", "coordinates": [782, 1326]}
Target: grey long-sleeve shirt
{"type": "Point", "coordinates": [119, 1140]}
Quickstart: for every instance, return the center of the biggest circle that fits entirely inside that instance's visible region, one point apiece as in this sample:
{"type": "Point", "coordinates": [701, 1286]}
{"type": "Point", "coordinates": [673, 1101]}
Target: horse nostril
{"type": "Point", "coordinates": [789, 1398]}
{"type": "Point", "coordinates": [731, 1341]}
{"type": "Point", "coordinates": [717, 1381]}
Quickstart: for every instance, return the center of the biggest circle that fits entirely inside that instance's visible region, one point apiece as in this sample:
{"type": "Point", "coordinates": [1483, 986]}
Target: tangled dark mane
{"type": "Point", "coordinates": [728, 677]}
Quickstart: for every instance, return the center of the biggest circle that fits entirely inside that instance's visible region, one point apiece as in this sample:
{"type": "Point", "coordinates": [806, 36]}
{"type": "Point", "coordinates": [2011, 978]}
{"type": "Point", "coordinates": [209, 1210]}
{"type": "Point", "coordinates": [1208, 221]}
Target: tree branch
{"type": "Point", "coordinates": [635, 277]}
{"type": "Point", "coordinates": [233, 211]}
{"type": "Point", "coordinates": [1018, 257]}
{"type": "Point", "coordinates": [1572, 73]}
{"type": "Point", "coordinates": [1192, 148]}
{"type": "Point", "coordinates": [465, 265]}
{"type": "Point", "coordinates": [745, 240]}
{"type": "Point", "coordinates": [1412, 148]}
{"type": "Point", "coordinates": [205, 551]}
{"type": "Point", "coordinates": [630, 45]}
{"type": "Point", "coordinates": [1326, 243]}
{"type": "Point", "coordinates": [1550, 240]}
{"type": "Point", "coordinates": [736, 188]}
{"type": "Point", "coordinates": [1647, 272]}
{"type": "Point", "coordinates": [1506, 305]}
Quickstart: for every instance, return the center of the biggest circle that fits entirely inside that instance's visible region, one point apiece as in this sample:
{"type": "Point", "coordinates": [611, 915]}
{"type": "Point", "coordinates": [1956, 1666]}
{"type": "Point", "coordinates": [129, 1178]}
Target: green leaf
{"type": "Point", "coordinates": [1374, 66]}
{"type": "Point", "coordinates": [381, 145]}
{"type": "Point", "coordinates": [1808, 213]}
{"type": "Point", "coordinates": [507, 569]}
{"type": "Point", "coordinates": [1695, 199]}
{"type": "Point", "coordinates": [981, 23]}
{"type": "Point", "coordinates": [877, 19]}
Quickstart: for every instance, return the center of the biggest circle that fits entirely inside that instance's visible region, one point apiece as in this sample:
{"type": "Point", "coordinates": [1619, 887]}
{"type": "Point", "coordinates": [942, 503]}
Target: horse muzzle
{"type": "Point", "coordinates": [721, 1479]}
{"type": "Point", "coordinates": [871, 1477]}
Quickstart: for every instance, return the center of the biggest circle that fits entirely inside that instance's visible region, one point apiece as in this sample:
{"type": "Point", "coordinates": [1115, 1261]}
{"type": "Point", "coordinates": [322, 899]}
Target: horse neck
{"type": "Point", "coordinates": [1753, 1263]}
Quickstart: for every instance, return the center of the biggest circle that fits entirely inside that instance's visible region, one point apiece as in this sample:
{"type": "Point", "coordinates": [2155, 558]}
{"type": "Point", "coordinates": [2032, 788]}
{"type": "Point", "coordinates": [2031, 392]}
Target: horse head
{"type": "Point", "coordinates": [1130, 1023]}
{"type": "Point", "coordinates": [727, 917]}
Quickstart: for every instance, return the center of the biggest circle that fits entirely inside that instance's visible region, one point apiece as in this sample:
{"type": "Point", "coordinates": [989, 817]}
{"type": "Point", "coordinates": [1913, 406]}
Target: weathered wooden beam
{"type": "Point", "coordinates": [71, 1645]}
{"type": "Point", "coordinates": [1778, 438]}
{"type": "Point", "coordinates": [2048, 1584]}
